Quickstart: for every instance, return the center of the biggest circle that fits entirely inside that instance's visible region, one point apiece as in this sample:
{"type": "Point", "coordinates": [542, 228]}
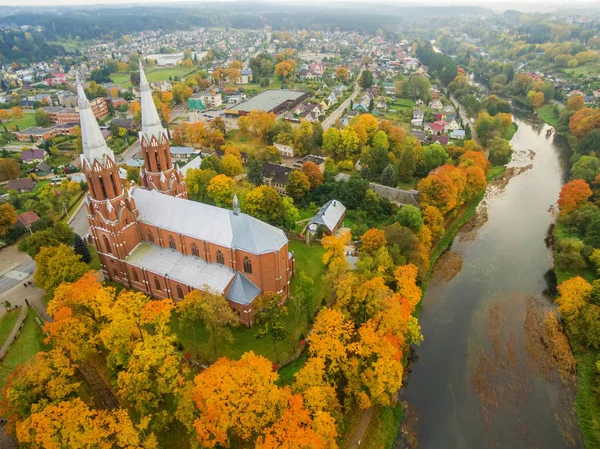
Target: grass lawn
{"type": "Point", "coordinates": [402, 103]}
{"type": "Point", "coordinates": [7, 322]}
{"type": "Point", "coordinates": [27, 121]}
{"type": "Point", "coordinates": [591, 68]}
{"type": "Point", "coordinates": [95, 262]}
{"type": "Point", "coordinates": [152, 74]}
{"type": "Point", "coordinates": [239, 139]}
{"type": "Point", "coordinates": [309, 260]}
{"type": "Point", "coordinates": [587, 403]}
{"type": "Point", "coordinates": [307, 213]}
{"type": "Point", "coordinates": [286, 374]}
{"type": "Point", "coordinates": [495, 171]}
{"type": "Point", "coordinates": [546, 113]}
{"type": "Point", "coordinates": [383, 427]}
{"type": "Point", "coordinates": [511, 131]}
{"type": "Point", "coordinates": [28, 343]}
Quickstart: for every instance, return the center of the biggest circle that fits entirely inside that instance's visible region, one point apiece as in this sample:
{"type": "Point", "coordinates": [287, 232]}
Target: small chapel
{"type": "Point", "coordinates": [153, 239]}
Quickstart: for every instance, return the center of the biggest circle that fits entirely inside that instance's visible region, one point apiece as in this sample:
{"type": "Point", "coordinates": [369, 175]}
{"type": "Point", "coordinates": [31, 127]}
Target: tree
{"type": "Point", "coordinates": [313, 173]}
{"type": "Point", "coordinates": [197, 181]}
{"type": "Point", "coordinates": [366, 79]}
{"type": "Point", "coordinates": [286, 70]}
{"type": "Point", "coordinates": [232, 166]}
{"type": "Point", "coordinates": [584, 121]}
{"type": "Point", "coordinates": [216, 314]}
{"type": "Point", "coordinates": [9, 169]}
{"type": "Point", "coordinates": [586, 168]}
{"type": "Point", "coordinates": [181, 92]}
{"type": "Point", "coordinates": [269, 317]}
{"type": "Point", "coordinates": [434, 220]}
{"type": "Point", "coordinates": [74, 424]}
{"type": "Point", "coordinates": [220, 190]}
{"type": "Point", "coordinates": [41, 118]}
{"type": "Point", "coordinates": [349, 143]}
{"type": "Point", "coordinates": [16, 112]}
{"type": "Point", "coordinates": [499, 151]}
{"type": "Point", "coordinates": [434, 155]}
{"type": "Point", "coordinates": [8, 218]}
{"type": "Point", "coordinates": [573, 195]}
{"type": "Point", "coordinates": [57, 264]}
{"type": "Point", "coordinates": [80, 248]}
{"type": "Point", "coordinates": [575, 103]}
{"type": "Point", "coordinates": [298, 185]}
{"type": "Point", "coordinates": [476, 182]}
{"type": "Point", "coordinates": [255, 172]}
{"type": "Point", "coordinates": [438, 191]}
{"type": "Point", "coordinates": [264, 203]}
{"type": "Point", "coordinates": [373, 240]}
{"type": "Point", "coordinates": [4, 115]}
{"type": "Point", "coordinates": [236, 398]}
{"type": "Point", "coordinates": [54, 236]}
{"type": "Point", "coordinates": [410, 217]}
{"type": "Point", "coordinates": [341, 74]}
{"type": "Point", "coordinates": [388, 177]}
{"type": "Point", "coordinates": [538, 100]}
{"type": "Point", "coordinates": [331, 143]}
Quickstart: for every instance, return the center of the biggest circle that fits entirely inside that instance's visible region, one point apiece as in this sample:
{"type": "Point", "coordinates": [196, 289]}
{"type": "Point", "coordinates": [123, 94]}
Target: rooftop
{"type": "Point", "coordinates": [329, 215]}
{"type": "Point", "coordinates": [268, 100]}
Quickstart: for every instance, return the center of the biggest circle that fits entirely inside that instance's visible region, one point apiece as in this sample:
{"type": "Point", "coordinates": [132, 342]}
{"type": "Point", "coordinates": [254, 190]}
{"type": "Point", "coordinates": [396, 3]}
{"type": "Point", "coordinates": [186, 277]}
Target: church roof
{"type": "Point", "coordinates": [188, 270]}
{"type": "Point", "coordinates": [242, 290]}
{"type": "Point", "coordinates": [151, 124]}
{"type": "Point", "coordinates": [208, 223]}
{"type": "Point", "coordinates": [93, 143]}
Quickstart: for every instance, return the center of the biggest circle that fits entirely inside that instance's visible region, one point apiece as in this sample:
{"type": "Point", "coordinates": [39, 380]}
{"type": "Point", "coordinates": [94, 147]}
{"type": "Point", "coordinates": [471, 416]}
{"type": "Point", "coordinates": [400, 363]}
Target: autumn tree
{"type": "Point", "coordinates": [264, 203]}
{"type": "Point", "coordinates": [16, 112]}
{"type": "Point", "coordinates": [57, 264]}
{"type": "Point", "coordinates": [331, 143]}
{"type": "Point", "coordinates": [313, 173]}
{"type": "Point", "coordinates": [8, 218]}
{"type": "Point", "coordinates": [181, 92]}
{"type": "Point", "coordinates": [214, 312]}
{"type": "Point", "coordinates": [232, 166]}
{"type": "Point", "coordinates": [298, 185]}
{"type": "Point", "coordinates": [438, 191]}
{"type": "Point", "coordinates": [341, 74]}
{"type": "Point", "coordinates": [220, 190]}
{"type": "Point", "coordinates": [584, 121]}
{"type": "Point", "coordinates": [434, 220]}
{"type": "Point", "coordinates": [197, 181]}
{"type": "Point", "coordinates": [573, 195]}
{"type": "Point", "coordinates": [575, 103]}
{"type": "Point", "coordinates": [286, 70]}
{"type": "Point", "coordinates": [581, 314]}
{"type": "Point", "coordinates": [236, 398]}
{"type": "Point", "coordinates": [372, 240]}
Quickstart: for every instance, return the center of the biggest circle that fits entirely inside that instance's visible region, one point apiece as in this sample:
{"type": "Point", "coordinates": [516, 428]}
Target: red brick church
{"type": "Point", "coordinates": [152, 238]}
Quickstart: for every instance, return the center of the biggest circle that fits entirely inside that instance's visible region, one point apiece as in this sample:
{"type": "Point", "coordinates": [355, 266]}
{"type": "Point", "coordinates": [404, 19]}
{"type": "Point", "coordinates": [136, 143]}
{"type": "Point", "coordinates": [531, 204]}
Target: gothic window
{"type": "Point", "coordinates": [179, 292]}
{"type": "Point", "coordinates": [247, 265]}
{"type": "Point", "coordinates": [172, 242]}
{"type": "Point", "coordinates": [103, 187]}
{"type": "Point", "coordinates": [150, 236]}
{"type": "Point", "coordinates": [156, 283]}
{"type": "Point", "coordinates": [106, 244]}
{"type": "Point", "coordinates": [135, 276]}
{"type": "Point", "coordinates": [115, 273]}
{"type": "Point", "coordinates": [220, 258]}
{"type": "Point", "coordinates": [195, 251]}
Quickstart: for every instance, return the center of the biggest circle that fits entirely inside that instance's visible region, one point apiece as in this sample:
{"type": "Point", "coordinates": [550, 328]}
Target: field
{"type": "Point", "coordinates": [591, 68]}
{"type": "Point", "coordinates": [153, 74]}
{"type": "Point", "coordinates": [240, 140]}
{"type": "Point", "coordinates": [546, 113]}
{"type": "Point", "coordinates": [28, 343]}
{"type": "Point", "coordinates": [308, 259]}
{"type": "Point", "coordinates": [25, 122]}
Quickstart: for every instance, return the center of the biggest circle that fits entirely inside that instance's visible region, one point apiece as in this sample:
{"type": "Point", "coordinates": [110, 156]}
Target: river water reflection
{"type": "Point", "coordinates": [477, 381]}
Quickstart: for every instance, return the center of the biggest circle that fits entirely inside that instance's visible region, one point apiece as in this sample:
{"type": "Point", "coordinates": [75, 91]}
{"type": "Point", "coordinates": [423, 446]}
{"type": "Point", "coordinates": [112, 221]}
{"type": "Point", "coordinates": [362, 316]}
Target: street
{"type": "Point", "coordinates": [330, 121]}
{"type": "Point", "coordinates": [17, 275]}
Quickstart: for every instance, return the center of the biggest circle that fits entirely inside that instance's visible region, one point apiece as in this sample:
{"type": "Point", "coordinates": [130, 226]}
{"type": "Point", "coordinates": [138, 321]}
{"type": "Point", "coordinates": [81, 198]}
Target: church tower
{"type": "Point", "coordinates": [159, 173]}
{"type": "Point", "coordinates": [111, 208]}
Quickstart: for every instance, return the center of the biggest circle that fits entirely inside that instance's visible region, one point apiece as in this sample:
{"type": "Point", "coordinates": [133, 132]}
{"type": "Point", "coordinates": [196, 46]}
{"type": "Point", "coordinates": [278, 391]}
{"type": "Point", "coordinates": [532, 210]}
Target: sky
{"type": "Point", "coordinates": [526, 4]}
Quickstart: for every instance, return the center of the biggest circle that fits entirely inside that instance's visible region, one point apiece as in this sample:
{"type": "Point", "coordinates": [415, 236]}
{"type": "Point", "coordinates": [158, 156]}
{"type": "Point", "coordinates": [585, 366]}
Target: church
{"type": "Point", "coordinates": [153, 239]}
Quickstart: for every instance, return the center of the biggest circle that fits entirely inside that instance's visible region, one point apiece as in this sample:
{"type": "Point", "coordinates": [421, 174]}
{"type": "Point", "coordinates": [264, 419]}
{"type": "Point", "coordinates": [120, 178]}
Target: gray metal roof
{"type": "Point", "coordinates": [268, 100]}
{"type": "Point", "coordinates": [208, 223]}
{"type": "Point", "coordinates": [188, 270]}
{"type": "Point", "coordinates": [242, 290]}
{"type": "Point", "coordinates": [329, 215]}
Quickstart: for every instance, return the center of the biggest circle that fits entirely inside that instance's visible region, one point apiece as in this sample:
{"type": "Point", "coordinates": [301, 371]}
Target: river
{"type": "Point", "coordinates": [481, 378]}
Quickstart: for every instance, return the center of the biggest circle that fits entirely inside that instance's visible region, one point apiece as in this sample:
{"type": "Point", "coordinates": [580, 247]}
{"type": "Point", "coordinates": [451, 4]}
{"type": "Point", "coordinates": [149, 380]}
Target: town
{"type": "Point", "coordinates": [226, 228]}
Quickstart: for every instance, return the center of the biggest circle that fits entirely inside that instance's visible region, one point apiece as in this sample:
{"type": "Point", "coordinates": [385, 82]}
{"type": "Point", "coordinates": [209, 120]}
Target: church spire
{"type": "Point", "coordinates": [151, 124]}
{"type": "Point", "coordinates": [92, 140]}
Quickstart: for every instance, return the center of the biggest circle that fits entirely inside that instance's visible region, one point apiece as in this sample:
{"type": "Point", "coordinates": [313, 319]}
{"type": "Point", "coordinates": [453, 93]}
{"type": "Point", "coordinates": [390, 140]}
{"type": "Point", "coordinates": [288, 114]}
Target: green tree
{"type": "Point", "coordinates": [41, 118]}
{"type": "Point", "coordinates": [388, 177]}
{"type": "Point", "coordinates": [298, 185]}
{"type": "Point", "coordinates": [331, 143]}
{"type": "Point", "coordinates": [586, 168]}
{"type": "Point", "coordinates": [197, 181]}
{"type": "Point", "coordinates": [410, 217]}
{"type": "Point", "coordinates": [269, 317]}
{"type": "Point", "coordinates": [255, 172]}
{"type": "Point", "coordinates": [499, 151]}
{"type": "Point", "coordinates": [80, 248]}
{"type": "Point", "coordinates": [57, 264]}
{"type": "Point", "coordinates": [366, 79]}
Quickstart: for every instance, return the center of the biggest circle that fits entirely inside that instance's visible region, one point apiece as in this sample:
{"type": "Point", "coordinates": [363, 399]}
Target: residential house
{"type": "Point", "coordinates": [246, 76]}
{"type": "Point", "coordinates": [452, 125]}
{"type": "Point", "coordinates": [27, 219]}
{"type": "Point", "coordinates": [442, 140]}
{"type": "Point", "coordinates": [436, 105]}
{"type": "Point", "coordinates": [181, 152]}
{"type": "Point", "coordinates": [127, 123]}
{"type": "Point", "coordinates": [161, 86]}
{"type": "Point", "coordinates": [33, 156]}
{"type": "Point", "coordinates": [389, 88]}
{"type": "Point", "coordinates": [21, 185]}
{"type": "Point", "coordinates": [276, 176]}
{"type": "Point", "coordinates": [435, 128]}
{"type": "Point", "coordinates": [329, 218]}
{"type": "Point", "coordinates": [285, 150]}
{"type": "Point", "coordinates": [43, 168]}
{"type": "Point", "coordinates": [458, 134]}
{"type": "Point", "coordinates": [317, 160]}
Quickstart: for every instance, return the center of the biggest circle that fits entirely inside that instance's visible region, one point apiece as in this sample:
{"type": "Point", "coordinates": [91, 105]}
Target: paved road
{"type": "Point", "coordinates": [17, 275]}
{"type": "Point", "coordinates": [330, 121]}
{"type": "Point", "coordinates": [464, 117]}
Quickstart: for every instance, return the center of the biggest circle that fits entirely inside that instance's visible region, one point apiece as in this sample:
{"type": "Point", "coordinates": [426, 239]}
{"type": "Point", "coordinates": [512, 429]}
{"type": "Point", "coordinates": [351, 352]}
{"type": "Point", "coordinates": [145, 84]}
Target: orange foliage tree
{"type": "Point", "coordinates": [372, 240]}
{"type": "Point", "coordinates": [573, 195]}
{"type": "Point", "coordinates": [583, 121]}
{"type": "Point", "coordinates": [313, 173]}
{"type": "Point", "coordinates": [438, 191]}
{"type": "Point", "coordinates": [575, 103]}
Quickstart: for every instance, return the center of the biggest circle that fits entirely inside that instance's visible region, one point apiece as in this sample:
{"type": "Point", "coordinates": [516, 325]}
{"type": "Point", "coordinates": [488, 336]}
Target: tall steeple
{"type": "Point", "coordinates": [159, 172]}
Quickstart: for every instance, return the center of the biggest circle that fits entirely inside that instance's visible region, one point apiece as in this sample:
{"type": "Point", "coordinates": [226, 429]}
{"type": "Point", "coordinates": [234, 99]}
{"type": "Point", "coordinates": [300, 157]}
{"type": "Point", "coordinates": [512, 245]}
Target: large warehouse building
{"type": "Point", "coordinates": [275, 101]}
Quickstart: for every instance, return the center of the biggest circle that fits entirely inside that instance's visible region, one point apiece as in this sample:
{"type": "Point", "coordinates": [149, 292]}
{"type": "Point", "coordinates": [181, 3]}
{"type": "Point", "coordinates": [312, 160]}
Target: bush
{"type": "Point", "coordinates": [569, 254]}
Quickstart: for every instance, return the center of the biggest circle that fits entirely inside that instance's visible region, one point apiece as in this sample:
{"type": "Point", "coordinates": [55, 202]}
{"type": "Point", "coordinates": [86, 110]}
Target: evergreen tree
{"type": "Point", "coordinates": [255, 172]}
{"type": "Point", "coordinates": [365, 173]}
{"type": "Point", "coordinates": [81, 249]}
{"type": "Point", "coordinates": [387, 177]}
{"type": "Point", "coordinates": [371, 105]}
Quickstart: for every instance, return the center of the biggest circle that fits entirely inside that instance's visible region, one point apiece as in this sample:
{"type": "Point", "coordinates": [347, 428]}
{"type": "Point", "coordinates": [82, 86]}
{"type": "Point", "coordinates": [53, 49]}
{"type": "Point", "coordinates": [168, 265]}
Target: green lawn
{"type": "Point", "coordinates": [28, 343]}
{"type": "Point", "coordinates": [591, 68]}
{"type": "Point", "coordinates": [309, 260]}
{"type": "Point", "coordinates": [402, 103]}
{"type": "Point", "coordinates": [27, 121]}
{"type": "Point", "coordinates": [383, 427]}
{"type": "Point", "coordinates": [286, 374]}
{"type": "Point", "coordinates": [546, 113]}
{"type": "Point", "coordinates": [152, 74]}
{"type": "Point", "coordinates": [587, 403]}
{"type": "Point", "coordinates": [7, 322]}
{"type": "Point", "coordinates": [239, 139]}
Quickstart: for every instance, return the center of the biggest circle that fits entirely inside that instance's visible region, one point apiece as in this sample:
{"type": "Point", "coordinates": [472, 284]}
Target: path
{"type": "Point", "coordinates": [17, 275]}
{"type": "Point", "coordinates": [330, 121]}
{"type": "Point", "coordinates": [15, 330]}
{"type": "Point", "coordinates": [361, 428]}
{"type": "Point", "coordinates": [17, 294]}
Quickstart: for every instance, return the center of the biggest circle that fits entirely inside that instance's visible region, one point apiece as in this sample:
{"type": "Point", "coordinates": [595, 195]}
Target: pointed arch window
{"type": "Point", "coordinates": [220, 257]}
{"type": "Point", "coordinates": [156, 283]}
{"type": "Point", "coordinates": [247, 265]}
{"type": "Point", "coordinates": [172, 244]}
{"type": "Point", "coordinates": [150, 236]}
{"type": "Point", "coordinates": [195, 251]}
{"type": "Point", "coordinates": [107, 244]}
{"type": "Point", "coordinates": [115, 273]}
{"type": "Point", "coordinates": [135, 276]}
{"type": "Point", "coordinates": [179, 292]}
